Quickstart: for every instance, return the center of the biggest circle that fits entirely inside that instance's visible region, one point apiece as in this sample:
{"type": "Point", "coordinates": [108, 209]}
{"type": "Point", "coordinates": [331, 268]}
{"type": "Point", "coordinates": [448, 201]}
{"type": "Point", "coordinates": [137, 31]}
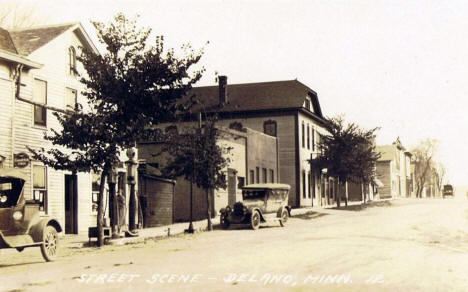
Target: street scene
{"type": "Point", "coordinates": [219, 145]}
{"type": "Point", "coordinates": [353, 249]}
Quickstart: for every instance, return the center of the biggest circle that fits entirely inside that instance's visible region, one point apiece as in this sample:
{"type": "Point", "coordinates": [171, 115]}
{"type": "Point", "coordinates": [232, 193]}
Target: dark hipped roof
{"type": "Point", "coordinates": [28, 40]}
{"type": "Point", "coordinates": [273, 95]}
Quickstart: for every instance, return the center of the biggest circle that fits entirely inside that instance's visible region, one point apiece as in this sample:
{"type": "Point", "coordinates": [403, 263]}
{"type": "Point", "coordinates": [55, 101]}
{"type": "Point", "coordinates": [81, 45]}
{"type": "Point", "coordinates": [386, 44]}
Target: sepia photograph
{"type": "Point", "coordinates": [221, 145]}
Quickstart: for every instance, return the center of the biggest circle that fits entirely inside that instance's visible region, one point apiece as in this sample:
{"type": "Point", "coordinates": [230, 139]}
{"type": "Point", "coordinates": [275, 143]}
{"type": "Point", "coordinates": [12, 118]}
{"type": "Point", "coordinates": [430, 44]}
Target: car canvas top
{"type": "Point", "coordinates": [12, 173]}
{"type": "Point", "coordinates": [267, 186]}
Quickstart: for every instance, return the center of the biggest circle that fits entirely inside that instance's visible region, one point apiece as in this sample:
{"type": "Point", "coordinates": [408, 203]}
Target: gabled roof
{"type": "Point", "coordinates": [274, 95]}
{"type": "Point", "coordinates": [6, 43]}
{"type": "Point", "coordinates": [28, 40]}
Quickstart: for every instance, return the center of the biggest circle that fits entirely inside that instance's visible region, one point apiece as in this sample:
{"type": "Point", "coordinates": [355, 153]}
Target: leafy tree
{"type": "Point", "coordinates": [129, 89]}
{"type": "Point", "coordinates": [196, 156]}
{"type": "Point", "coordinates": [348, 153]}
{"type": "Point", "coordinates": [423, 160]}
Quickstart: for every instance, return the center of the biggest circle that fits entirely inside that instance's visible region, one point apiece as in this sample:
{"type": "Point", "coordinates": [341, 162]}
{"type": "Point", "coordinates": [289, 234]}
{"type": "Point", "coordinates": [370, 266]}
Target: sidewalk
{"type": "Point", "coordinates": [81, 240]}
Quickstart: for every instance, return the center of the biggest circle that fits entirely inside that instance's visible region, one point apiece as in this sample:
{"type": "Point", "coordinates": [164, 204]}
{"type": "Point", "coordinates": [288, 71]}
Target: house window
{"type": "Point", "coordinates": [251, 177]}
{"type": "Point", "coordinates": [40, 96]}
{"type": "Point", "coordinates": [40, 186]}
{"type": "Point", "coordinates": [70, 99]}
{"type": "Point", "coordinates": [269, 128]}
{"type": "Point", "coordinates": [265, 179]}
{"type": "Point", "coordinates": [309, 195]}
{"type": "Point", "coordinates": [72, 60]}
{"type": "Point", "coordinates": [313, 139]}
{"type": "Point", "coordinates": [308, 136]}
{"type": "Point", "coordinates": [307, 103]}
{"type": "Point", "coordinates": [257, 170]}
{"type": "Point", "coordinates": [272, 176]}
{"type": "Point", "coordinates": [304, 193]}
{"type": "Point", "coordinates": [303, 135]}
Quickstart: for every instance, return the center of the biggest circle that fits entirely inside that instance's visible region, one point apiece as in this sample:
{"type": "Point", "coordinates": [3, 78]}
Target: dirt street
{"type": "Point", "coordinates": [403, 245]}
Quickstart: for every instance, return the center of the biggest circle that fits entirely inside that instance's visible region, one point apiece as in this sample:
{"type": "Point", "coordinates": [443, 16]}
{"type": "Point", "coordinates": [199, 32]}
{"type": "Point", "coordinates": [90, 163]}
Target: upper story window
{"type": "Point", "coordinates": [270, 127]}
{"type": "Point", "coordinates": [40, 96]}
{"type": "Point", "coordinates": [71, 97]}
{"type": "Point", "coordinates": [313, 139]}
{"type": "Point", "coordinates": [308, 136]}
{"type": "Point", "coordinates": [72, 60]}
{"type": "Point", "coordinates": [303, 135]}
{"type": "Point", "coordinates": [308, 103]}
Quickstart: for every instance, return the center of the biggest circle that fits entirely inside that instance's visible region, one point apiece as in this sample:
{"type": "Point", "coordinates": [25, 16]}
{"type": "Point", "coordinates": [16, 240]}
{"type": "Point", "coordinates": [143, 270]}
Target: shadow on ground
{"type": "Point", "coordinates": [361, 207]}
{"type": "Point", "coordinates": [309, 215]}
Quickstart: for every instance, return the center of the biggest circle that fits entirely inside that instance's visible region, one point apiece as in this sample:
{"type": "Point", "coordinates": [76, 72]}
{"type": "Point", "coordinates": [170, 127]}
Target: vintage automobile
{"type": "Point", "coordinates": [261, 203]}
{"type": "Point", "coordinates": [447, 191]}
{"type": "Point", "coordinates": [21, 224]}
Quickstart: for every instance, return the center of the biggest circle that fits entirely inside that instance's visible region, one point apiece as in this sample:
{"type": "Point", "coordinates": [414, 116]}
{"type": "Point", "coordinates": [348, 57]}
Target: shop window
{"type": "Point", "coordinates": [40, 186]}
{"type": "Point", "coordinates": [95, 192]}
{"type": "Point", "coordinates": [304, 193]}
{"type": "Point", "coordinates": [40, 96]}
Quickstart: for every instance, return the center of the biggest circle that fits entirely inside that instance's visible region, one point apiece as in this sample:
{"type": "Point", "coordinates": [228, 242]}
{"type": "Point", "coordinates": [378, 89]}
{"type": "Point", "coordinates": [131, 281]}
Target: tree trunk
{"type": "Point", "coordinates": [208, 210]}
{"type": "Point", "coordinates": [100, 215]}
{"type": "Point", "coordinates": [347, 195]}
{"type": "Point", "coordinates": [113, 210]}
{"type": "Point", "coordinates": [338, 194]}
{"type": "Point", "coordinates": [363, 194]}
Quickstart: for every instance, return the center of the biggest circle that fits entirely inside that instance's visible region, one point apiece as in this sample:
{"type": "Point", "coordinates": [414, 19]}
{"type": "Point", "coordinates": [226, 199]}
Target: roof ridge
{"type": "Point", "coordinates": [251, 83]}
{"type": "Point", "coordinates": [44, 26]}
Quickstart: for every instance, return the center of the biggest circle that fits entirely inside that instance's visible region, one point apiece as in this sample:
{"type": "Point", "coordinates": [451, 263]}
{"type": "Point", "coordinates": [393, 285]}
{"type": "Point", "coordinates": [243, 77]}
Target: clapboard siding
{"type": "Point", "coordinates": [17, 129]}
{"type": "Point", "coordinates": [6, 98]}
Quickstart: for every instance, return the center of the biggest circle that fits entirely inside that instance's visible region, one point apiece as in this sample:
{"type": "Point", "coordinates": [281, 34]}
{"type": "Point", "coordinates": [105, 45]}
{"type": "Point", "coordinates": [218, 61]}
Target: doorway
{"type": "Point", "coordinates": [71, 204]}
{"type": "Point", "coordinates": [232, 186]}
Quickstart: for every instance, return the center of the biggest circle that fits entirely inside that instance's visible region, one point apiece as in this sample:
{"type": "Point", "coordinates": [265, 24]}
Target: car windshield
{"type": "Point", "coordinates": [10, 190]}
{"type": "Point", "coordinates": [253, 195]}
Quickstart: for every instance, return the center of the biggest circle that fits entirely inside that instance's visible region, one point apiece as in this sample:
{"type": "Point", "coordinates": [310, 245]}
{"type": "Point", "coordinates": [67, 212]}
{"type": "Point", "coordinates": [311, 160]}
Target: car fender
{"type": "Point", "coordinates": [37, 231]}
{"type": "Point", "coordinates": [280, 210]}
{"type": "Point", "coordinates": [259, 211]}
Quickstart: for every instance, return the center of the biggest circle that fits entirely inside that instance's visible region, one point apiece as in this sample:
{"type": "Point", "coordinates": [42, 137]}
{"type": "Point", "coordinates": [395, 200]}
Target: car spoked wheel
{"type": "Point", "coordinates": [49, 247]}
{"type": "Point", "coordinates": [284, 217]}
{"type": "Point", "coordinates": [225, 222]}
{"type": "Point", "coordinates": [255, 220]}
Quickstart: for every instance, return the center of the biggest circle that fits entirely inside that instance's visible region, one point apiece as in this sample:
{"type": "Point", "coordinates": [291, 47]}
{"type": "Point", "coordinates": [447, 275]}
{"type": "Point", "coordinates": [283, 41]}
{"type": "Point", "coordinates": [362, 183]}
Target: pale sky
{"type": "Point", "coordinates": [400, 65]}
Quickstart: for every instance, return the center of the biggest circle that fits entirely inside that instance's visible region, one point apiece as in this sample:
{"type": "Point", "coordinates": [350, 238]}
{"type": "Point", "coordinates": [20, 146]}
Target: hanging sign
{"type": "Point", "coordinates": [20, 160]}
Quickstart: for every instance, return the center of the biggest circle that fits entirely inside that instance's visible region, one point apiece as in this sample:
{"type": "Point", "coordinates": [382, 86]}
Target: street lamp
{"type": "Point", "coordinates": [132, 166]}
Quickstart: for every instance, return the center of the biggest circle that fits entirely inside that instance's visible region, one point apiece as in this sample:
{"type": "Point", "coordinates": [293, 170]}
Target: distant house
{"type": "Point", "coordinates": [394, 171]}
{"type": "Point", "coordinates": [38, 72]}
{"type": "Point", "coordinates": [288, 110]}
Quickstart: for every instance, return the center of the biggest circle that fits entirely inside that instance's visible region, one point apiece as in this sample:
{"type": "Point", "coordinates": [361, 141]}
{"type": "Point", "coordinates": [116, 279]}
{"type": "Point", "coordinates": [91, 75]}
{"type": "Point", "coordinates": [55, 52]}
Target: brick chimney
{"type": "Point", "coordinates": [222, 80]}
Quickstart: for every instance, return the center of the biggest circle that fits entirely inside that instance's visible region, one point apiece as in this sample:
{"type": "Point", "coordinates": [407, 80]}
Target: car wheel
{"type": "Point", "coordinates": [255, 220]}
{"type": "Point", "coordinates": [284, 217]}
{"type": "Point", "coordinates": [49, 247]}
{"type": "Point", "coordinates": [225, 222]}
